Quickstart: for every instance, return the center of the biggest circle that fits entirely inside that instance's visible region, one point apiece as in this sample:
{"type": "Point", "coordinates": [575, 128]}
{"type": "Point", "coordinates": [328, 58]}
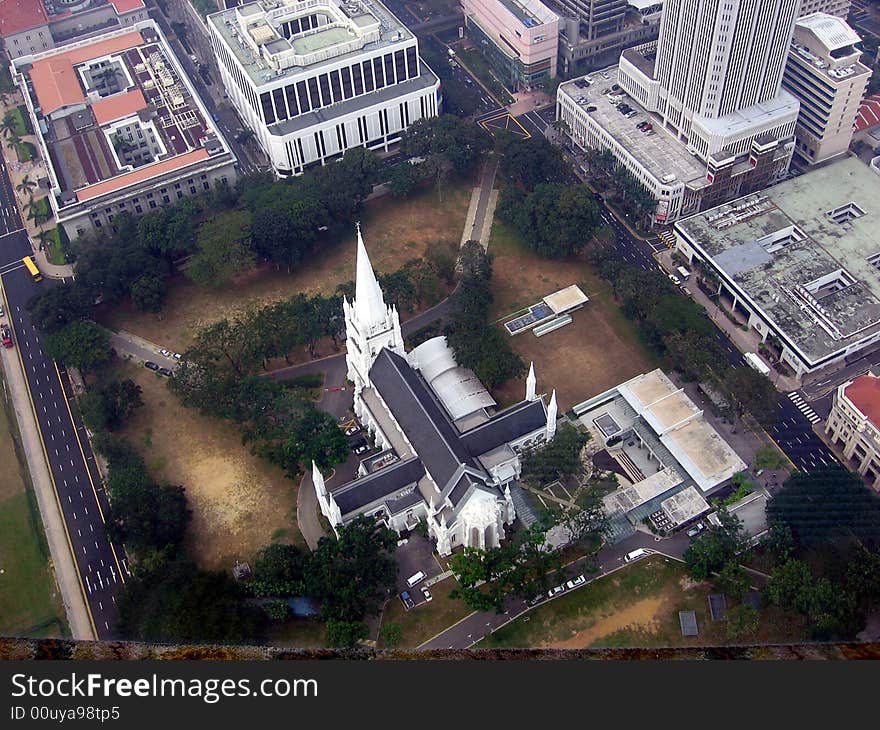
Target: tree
{"type": "Point", "coordinates": [444, 141]}
{"type": "Point", "coordinates": [391, 635]}
{"type": "Point", "coordinates": [346, 633]}
{"type": "Point", "coordinates": [742, 621]}
{"type": "Point", "coordinates": [83, 345]}
{"type": "Point", "coordinates": [26, 186]}
{"type": "Point", "coordinates": [148, 293]}
{"type": "Point", "coordinates": [277, 610]}
{"type": "Point", "coordinates": [825, 506]}
{"type": "Point", "coordinates": [176, 602]}
{"type": "Point", "coordinates": [279, 571]}
{"type": "Point", "coordinates": [318, 438]}
{"type": "Point", "coordinates": [109, 406]}
{"type": "Point", "coordinates": [733, 580]}
{"type": "Point", "coordinates": [277, 237]}
{"type": "Point", "coordinates": [224, 249]}
{"type": "Point", "coordinates": [557, 459]}
{"type": "Point", "coordinates": [349, 575]}
{"type": "Point", "coordinates": [752, 392]}
{"type": "Point", "coordinates": [528, 163]}
{"type": "Point", "coordinates": [403, 179]}
{"type": "Point", "coordinates": [57, 306]}
{"type": "Point", "coordinates": [716, 547]}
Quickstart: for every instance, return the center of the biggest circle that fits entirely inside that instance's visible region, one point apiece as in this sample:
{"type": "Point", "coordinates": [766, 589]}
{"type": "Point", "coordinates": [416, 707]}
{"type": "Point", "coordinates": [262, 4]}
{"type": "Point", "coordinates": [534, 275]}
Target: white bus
{"type": "Point", "coordinates": [752, 360]}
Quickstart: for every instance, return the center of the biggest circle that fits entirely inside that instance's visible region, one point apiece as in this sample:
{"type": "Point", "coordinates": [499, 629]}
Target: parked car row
{"type": "Point", "coordinates": [169, 354]}
{"type": "Point", "coordinates": [568, 585]}
{"type": "Point", "coordinates": [155, 367]}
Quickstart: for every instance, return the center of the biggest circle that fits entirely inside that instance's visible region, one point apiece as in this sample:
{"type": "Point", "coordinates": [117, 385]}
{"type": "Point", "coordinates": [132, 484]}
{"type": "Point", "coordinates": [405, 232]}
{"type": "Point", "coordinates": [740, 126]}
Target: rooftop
{"type": "Point", "coordinates": [530, 13]}
{"type": "Point", "coordinates": [804, 252]}
{"type": "Point", "coordinates": [254, 33]}
{"type": "Point", "coordinates": [20, 15]}
{"type": "Point", "coordinates": [684, 506]}
{"type": "Point", "coordinates": [117, 111]}
{"type": "Point", "coordinates": [864, 393]}
{"type": "Point", "coordinates": [827, 44]}
{"type": "Point", "coordinates": [660, 153]}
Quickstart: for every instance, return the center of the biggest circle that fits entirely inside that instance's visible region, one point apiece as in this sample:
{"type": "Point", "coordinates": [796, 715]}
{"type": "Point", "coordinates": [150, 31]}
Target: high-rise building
{"type": "Point", "coordinates": [715, 73]}
{"type": "Point", "coordinates": [314, 79]}
{"type": "Point", "coordinates": [519, 37]}
{"type": "Point", "coordinates": [824, 73]}
{"type": "Point", "coordinates": [596, 17]}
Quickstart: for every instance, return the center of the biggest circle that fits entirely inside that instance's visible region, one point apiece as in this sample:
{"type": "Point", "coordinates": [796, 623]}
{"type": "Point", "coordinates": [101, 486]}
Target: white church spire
{"type": "Point", "coordinates": [552, 411]}
{"type": "Point", "coordinates": [531, 382]}
{"type": "Point", "coordinates": [369, 303]}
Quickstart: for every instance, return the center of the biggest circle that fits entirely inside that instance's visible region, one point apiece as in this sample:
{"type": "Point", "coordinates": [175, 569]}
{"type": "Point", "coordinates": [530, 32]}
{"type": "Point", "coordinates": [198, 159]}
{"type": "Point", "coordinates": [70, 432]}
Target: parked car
{"type": "Point", "coordinates": [165, 353]}
{"type": "Point", "coordinates": [427, 594]}
{"type": "Point", "coordinates": [648, 127]}
{"type": "Point", "coordinates": [575, 582]}
{"type": "Point", "coordinates": [362, 448]}
{"type": "Point", "coordinates": [415, 579]}
{"type": "Point", "coordinates": [6, 335]}
{"type": "Point", "coordinates": [407, 600]}
{"type": "Point", "coordinates": [352, 430]}
{"type": "Point", "coordinates": [176, 355]}
{"type": "Point", "coordinates": [696, 529]}
{"type": "Point", "coordinates": [402, 542]}
{"type": "Point", "coordinates": [150, 365]}
{"type": "Point", "coordinates": [536, 600]}
{"type": "Point", "coordinates": [2, 313]}
{"type": "Point", "coordinates": [674, 279]}
{"type": "Point", "coordinates": [641, 125]}
{"type": "Point", "coordinates": [167, 372]}
{"type": "Point", "coordinates": [555, 591]}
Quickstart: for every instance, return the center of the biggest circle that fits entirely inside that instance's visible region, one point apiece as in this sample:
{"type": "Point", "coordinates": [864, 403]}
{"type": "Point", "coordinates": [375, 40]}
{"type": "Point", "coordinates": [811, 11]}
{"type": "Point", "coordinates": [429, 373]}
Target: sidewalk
{"type": "Point", "coordinates": [47, 500]}
{"type": "Point", "coordinates": [34, 170]}
{"type": "Point", "coordinates": [743, 340]}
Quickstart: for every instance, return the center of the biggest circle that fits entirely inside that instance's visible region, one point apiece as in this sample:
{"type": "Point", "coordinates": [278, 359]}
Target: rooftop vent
{"type": "Point", "coordinates": [845, 213]}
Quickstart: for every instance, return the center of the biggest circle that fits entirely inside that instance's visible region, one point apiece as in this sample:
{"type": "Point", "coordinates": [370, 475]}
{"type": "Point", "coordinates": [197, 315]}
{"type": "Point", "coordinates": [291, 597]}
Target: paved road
{"type": "Point", "coordinates": [473, 628]}
{"type": "Point", "coordinates": [84, 505]}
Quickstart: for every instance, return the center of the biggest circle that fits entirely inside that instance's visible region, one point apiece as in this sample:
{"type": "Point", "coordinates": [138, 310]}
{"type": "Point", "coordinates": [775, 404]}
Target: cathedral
{"type": "Point", "coordinates": [447, 455]}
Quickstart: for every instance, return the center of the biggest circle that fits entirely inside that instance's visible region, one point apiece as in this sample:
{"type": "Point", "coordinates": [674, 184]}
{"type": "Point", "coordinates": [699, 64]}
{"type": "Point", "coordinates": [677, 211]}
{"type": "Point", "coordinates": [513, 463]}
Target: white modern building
{"type": "Point", "coordinates": [824, 74]}
{"type": "Point", "coordinates": [668, 456]}
{"type": "Point", "coordinates": [447, 455]}
{"type": "Point", "coordinates": [314, 78]}
{"type": "Point", "coordinates": [840, 8]}
{"type": "Point", "coordinates": [520, 38]}
{"type": "Point", "coordinates": [120, 126]}
{"type": "Point", "coordinates": [798, 263]}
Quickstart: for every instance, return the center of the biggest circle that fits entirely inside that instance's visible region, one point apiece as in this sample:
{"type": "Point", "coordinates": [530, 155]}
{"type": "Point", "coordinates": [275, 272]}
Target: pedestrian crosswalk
{"type": "Point", "coordinates": [803, 407]}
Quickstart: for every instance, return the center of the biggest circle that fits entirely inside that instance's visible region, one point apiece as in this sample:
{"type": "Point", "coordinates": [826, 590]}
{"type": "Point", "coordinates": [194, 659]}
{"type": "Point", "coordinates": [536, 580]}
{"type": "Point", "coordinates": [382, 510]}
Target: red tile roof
{"type": "Point", "coordinates": [55, 81]}
{"type": "Point", "coordinates": [141, 174]}
{"type": "Point", "coordinates": [125, 6]}
{"type": "Point", "coordinates": [19, 15]}
{"type": "Point", "coordinates": [118, 106]}
{"type": "Point", "coordinates": [864, 392]}
{"type": "Point", "coordinates": [869, 113]}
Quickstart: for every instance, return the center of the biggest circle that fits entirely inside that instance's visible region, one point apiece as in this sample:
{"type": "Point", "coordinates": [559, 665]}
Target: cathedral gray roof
{"type": "Point", "coordinates": [379, 485]}
{"type": "Point", "coordinates": [421, 417]}
{"type": "Point", "coordinates": [507, 426]}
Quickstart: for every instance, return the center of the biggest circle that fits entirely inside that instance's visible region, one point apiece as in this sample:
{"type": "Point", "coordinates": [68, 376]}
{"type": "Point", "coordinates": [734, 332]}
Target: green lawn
{"type": "Point", "coordinates": [25, 151]}
{"type": "Point", "coordinates": [54, 247]}
{"type": "Point", "coordinates": [28, 598]}
{"type": "Point", "coordinates": [634, 607]}
{"type": "Point", "coordinates": [22, 125]}
{"type": "Point", "coordinates": [426, 620]}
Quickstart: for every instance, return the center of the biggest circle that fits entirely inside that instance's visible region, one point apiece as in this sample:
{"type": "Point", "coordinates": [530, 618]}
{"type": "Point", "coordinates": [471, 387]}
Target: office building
{"type": "Point", "coordinates": [520, 38]}
{"type": "Point", "coordinates": [798, 263]}
{"type": "Point", "coordinates": [313, 79]}
{"type": "Point", "coordinates": [840, 8]}
{"type": "Point", "coordinates": [824, 74]}
{"type": "Point", "coordinates": [854, 426]}
{"type": "Point", "coordinates": [33, 26]}
{"type": "Point", "coordinates": [120, 127]}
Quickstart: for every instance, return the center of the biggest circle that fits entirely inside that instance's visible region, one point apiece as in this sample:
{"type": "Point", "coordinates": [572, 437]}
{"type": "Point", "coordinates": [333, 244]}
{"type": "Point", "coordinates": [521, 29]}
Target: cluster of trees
{"type": "Point", "coordinates": [522, 567]}
{"type": "Point", "coordinates": [626, 191]}
{"type": "Point", "coordinates": [349, 576]}
{"type": "Point", "coordinates": [478, 344]}
{"type": "Point", "coordinates": [218, 376]}
{"type": "Point", "coordinates": [559, 459]}
{"type": "Point", "coordinates": [109, 405]}
{"type": "Point", "coordinates": [677, 329]}
{"type": "Point", "coordinates": [714, 555]}
{"type": "Point", "coordinates": [555, 218]}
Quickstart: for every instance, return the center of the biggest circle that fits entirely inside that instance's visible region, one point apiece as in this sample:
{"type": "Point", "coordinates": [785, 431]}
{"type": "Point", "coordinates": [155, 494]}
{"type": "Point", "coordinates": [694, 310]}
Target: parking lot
{"type": "Point", "coordinates": [414, 556]}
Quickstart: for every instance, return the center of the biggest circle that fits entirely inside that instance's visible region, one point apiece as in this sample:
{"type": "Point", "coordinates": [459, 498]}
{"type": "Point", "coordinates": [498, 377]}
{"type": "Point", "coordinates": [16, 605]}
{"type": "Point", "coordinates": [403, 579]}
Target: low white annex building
{"type": "Point", "coordinates": [447, 455]}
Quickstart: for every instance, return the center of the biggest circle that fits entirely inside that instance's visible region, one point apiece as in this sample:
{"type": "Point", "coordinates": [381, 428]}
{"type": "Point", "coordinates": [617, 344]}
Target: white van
{"type": "Point", "coordinates": [636, 554]}
{"type": "Point", "coordinates": [415, 579]}
{"type": "Point", "coordinates": [683, 273]}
